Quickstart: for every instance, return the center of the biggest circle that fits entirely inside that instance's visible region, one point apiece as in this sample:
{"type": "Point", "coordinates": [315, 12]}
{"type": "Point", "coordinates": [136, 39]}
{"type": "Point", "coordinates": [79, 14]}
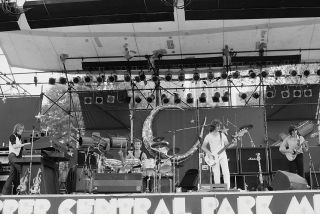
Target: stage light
{"type": "Point", "coordinates": [99, 79]}
{"type": "Point", "coordinates": [52, 81]}
{"type": "Point", "coordinates": [76, 79]}
{"type": "Point", "coordinates": [270, 94]}
{"type": "Point", "coordinates": [177, 98]}
{"type": "Point", "coordinates": [307, 93]}
{"type": "Point", "coordinates": [278, 73]}
{"type": "Point", "coordinates": [87, 79]}
{"type": "Point", "coordinates": [189, 98]}
{"type": "Point", "coordinates": [203, 98]}
{"type": "Point", "coordinates": [155, 78]}
{"type": "Point", "coordinates": [255, 95]}
{"type": "Point", "coordinates": [88, 100]}
{"type": "Point", "coordinates": [168, 76]}
{"type": "Point", "coordinates": [216, 97]}
{"type": "Point", "coordinates": [150, 98]}
{"type": "Point", "coordinates": [62, 80]}
{"type": "Point", "coordinates": [224, 75]}
{"type": "Point", "coordinates": [142, 76]}
{"type": "Point", "coordinates": [127, 77]}
{"type": "Point", "coordinates": [252, 74]}
{"type": "Point", "coordinates": [112, 78]}
{"type": "Point", "coordinates": [264, 73]}
{"type": "Point", "coordinates": [285, 94]}
{"type": "Point", "coordinates": [293, 73]}
{"type": "Point", "coordinates": [99, 100]}
{"type": "Point", "coordinates": [164, 99]}
{"type": "Point", "coordinates": [35, 80]}
{"type": "Point", "coordinates": [137, 79]}
{"type": "Point", "coordinates": [128, 99]}
{"type": "Point", "coordinates": [225, 97]}
{"type": "Point", "coordinates": [196, 76]}
{"type": "Point", "coordinates": [297, 93]}
{"type": "Point", "coordinates": [210, 75]}
{"type": "Point", "coordinates": [318, 72]}
{"type": "Point", "coordinates": [306, 73]}
{"type": "Point", "coordinates": [243, 96]}
{"type": "Point", "coordinates": [181, 76]}
{"type": "Point", "coordinates": [137, 99]}
{"type": "Point", "coordinates": [236, 75]}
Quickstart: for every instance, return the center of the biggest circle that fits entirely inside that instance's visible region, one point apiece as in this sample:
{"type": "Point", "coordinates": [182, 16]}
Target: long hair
{"type": "Point", "coordinates": [214, 125]}
{"type": "Point", "coordinates": [16, 127]}
{"type": "Point", "coordinates": [291, 129]}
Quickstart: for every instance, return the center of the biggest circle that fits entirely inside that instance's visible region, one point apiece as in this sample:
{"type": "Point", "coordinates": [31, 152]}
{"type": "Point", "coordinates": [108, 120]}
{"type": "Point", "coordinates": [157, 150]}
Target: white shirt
{"type": "Point", "coordinates": [216, 141]}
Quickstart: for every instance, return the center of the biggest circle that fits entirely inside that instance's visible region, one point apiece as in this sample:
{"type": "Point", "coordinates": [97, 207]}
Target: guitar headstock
{"type": "Point", "coordinates": [314, 134]}
{"type": "Point", "coordinates": [258, 157]}
{"type": "Point", "coordinates": [241, 132]}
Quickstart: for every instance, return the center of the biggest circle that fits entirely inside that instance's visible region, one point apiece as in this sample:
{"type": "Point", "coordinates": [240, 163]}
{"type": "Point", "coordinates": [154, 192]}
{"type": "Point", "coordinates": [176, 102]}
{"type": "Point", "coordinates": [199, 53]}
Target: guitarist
{"type": "Point", "coordinates": [293, 146]}
{"type": "Point", "coordinates": [15, 153]}
{"type": "Point", "coordinates": [216, 141]}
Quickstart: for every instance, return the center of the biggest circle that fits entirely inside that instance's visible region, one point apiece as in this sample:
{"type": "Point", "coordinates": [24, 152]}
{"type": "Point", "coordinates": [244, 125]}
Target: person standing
{"type": "Point", "coordinates": [293, 147]}
{"type": "Point", "coordinates": [217, 141]}
{"type": "Point", "coordinates": [15, 153]}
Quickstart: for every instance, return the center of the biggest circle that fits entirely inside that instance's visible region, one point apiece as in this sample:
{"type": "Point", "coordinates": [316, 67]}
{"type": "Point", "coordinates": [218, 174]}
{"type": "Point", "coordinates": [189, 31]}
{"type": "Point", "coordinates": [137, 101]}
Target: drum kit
{"type": "Point", "coordinates": [151, 168]}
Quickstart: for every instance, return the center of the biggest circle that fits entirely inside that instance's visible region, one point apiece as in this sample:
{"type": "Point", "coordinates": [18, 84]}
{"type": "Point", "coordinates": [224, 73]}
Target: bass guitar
{"type": "Point", "coordinates": [291, 156]}
{"type": "Point", "coordinates": [211, 160]}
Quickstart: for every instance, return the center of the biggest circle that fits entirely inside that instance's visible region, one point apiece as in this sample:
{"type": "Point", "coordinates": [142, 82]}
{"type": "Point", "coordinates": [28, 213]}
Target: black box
{"type": "Point", "coordinates": [233, 160]}
{"type": "Point", "coordinates": [278, 161]}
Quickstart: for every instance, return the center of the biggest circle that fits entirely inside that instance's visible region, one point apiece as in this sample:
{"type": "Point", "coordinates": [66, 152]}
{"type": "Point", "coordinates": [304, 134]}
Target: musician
{"type": "Point", "coordinates": [216, 141]}
{"type": "Point", "coordinates": [294, 144]}
{"type": "Point", "coordinates": [136, 153]}
{"type": "Point", "coordinates": [15, 153]}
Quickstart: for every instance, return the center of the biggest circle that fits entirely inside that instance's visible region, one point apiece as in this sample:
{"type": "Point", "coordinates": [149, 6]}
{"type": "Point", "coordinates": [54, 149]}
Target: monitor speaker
{"type": "Point", "coordinates": [288, 181]}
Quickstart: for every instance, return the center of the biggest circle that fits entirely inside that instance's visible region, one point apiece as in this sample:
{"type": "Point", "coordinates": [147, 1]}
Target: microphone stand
{"type": "Point", "coordinates": [31, 153]}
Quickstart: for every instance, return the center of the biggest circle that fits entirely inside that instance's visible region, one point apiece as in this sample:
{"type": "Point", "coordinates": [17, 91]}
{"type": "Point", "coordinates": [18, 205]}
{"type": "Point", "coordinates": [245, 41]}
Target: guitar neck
{"type": "Point", "coordinates": [224, 148]}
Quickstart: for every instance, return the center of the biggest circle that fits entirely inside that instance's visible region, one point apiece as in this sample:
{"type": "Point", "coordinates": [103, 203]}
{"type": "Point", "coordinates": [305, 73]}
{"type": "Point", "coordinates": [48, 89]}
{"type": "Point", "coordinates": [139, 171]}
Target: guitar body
{"type": "Point", "coordinates": [210, 160]}
{"type": "Point", "coordinates": [291, 156]}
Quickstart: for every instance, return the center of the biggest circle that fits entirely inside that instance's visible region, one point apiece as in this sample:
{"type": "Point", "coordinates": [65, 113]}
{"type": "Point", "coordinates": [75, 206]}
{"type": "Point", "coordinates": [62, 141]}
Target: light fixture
{"type": "Point", "coordinates": [76, 79]}
{"type": "Point", "coordinates": [196, 76]}
{"type": "Point", "coordinates": [4, 99]}
{"type": "Point", "coordinates": [270, 94]}
{"type": "Point", "coordinates": [285, 94]}
{"type": "Point", "coordinates": [127, 77]}
{"type": "Point", "coordinates": [306, 73]}
{"type": "Point", "coordinates": [252, 74]}
{"type": "Point", "coordinates": [264, 73]}
{"type": "Point", "coordinates": [137, 79]}
{"type": "Point", "coordinates": [181, 75]}
{"type": "Point", "coordinates": [243, 96]}
{"type": "Point", "coordinates": [293, 73]}
{"type": "Point", "coordinates": [255, 95]}
{"type": "Point", "coordinates": [307, 92]}
{"type": "Point", "coordinates": [99, 79]}
{"type": "Point", "coordinates": [168, 76]}
{"type": "Point", "coordinates": [35, 80]}
{"type": "Point", "coordinates": [87, 79]}
{"type": "Point", "coordinates": [203, 97]}
{"type": "Point", "coordinates": [278, 73]}
{"type": "Point", "coordinates": [297, 93]}
{"type": "Point", "coordinates": [155, 78]}
{"type": "Point", "coordinates": [52, 81]}
{"type": "Point", "coordinates": [224, 75]}
{"type": "Point", "coordinates": [318, 72]}
{"type": "Point", "coordinates": [112, 78]}
{"type": "Point", "coordinates": [225, 97]}
{"type": "Point", "coordinates": [177, 98]}
{"type": "Point", "coordinates": [189, 98]}
{"type": "Point", "coordinates": [236, 75]}
{"type": "Point", "coordinates": [150, 98]}
{"type": "Point", "coordinates": [210, 75]}
{"type": "Point", "coordinates": [142, 76]}
{"type": "Point", "coordinates": [137, 99]}
{"type": "Point", "coordinates": [62, 80]}
{"type": "Point", "coordinates": [216, 97]}
{"type": "Point", "coordinates": [88, 100]}
{"type": "Point", "coordinates": [164, 99]}
{"type": "Point", "coordinates": [99, 100]}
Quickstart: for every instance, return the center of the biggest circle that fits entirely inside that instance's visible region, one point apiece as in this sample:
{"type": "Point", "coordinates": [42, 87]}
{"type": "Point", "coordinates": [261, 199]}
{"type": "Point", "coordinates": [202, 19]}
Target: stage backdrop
{"type": "Point", "coordinates": [18, 110]}
{"type": "Point", "coordinates": [174, 119]}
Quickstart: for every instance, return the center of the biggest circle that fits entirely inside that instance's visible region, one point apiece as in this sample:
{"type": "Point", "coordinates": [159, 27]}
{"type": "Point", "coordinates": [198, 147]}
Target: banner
{"type": "Point", "coordinates": [289, 202]}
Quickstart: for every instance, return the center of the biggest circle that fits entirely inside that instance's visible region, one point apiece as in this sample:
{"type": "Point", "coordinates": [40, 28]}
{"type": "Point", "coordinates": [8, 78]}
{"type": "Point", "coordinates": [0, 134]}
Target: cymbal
{"type": "Point", "coordinates": [158, 139]}
{"type": "Point", "coordinates": [160, 144]}
{"type": "Point", "coordinates": [249, 126]}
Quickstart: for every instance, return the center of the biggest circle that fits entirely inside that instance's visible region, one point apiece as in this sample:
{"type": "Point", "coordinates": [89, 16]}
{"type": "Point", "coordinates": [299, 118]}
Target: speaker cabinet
{"type": "Point", "coordinates": [233, 160]}
{"type": "Point", "coordinates": [283, 180]}
{"type": "Point", "coordinates": [277, 160]}
{"type": "Point", "coordinates": [249, 163]}
{"type": "Point", "coordinates": [189, 181]}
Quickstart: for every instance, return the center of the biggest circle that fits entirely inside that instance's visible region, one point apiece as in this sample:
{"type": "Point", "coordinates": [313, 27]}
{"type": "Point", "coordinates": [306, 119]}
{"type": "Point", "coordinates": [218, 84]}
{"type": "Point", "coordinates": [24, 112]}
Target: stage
{"type": "Point", "coordinates": [231, 202]}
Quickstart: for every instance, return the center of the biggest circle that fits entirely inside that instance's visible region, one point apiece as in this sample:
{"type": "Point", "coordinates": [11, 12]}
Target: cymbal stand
{"type": "Point", "coordinates": [251, 141]}
{"type": "Point", "coordinates": [31, 156]}
{"type": "Point", "coordinates": [311, 167]}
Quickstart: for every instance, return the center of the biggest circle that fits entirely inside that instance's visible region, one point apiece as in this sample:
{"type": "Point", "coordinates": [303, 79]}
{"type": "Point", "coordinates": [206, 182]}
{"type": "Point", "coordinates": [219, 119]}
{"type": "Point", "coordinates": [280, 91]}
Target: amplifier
{"type": "Point", "coordinates": [247, 163]}
{"type": "Point", "coordinates": [117, 183]}
{"type": "Point", "coordinates": [233, 158]}
{"type": "Point", "coordinates": [278, 161]}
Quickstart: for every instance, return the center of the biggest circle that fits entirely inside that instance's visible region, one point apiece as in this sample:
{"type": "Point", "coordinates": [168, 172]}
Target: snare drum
{"type": "Point", "coordinates": [148, 166]}
{"type": "Point", "coordinates": [165, 167]}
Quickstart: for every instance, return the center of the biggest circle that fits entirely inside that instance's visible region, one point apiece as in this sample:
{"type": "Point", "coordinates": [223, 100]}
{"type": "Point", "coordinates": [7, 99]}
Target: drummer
{"type": "Point", "coordinates": [136, 153]}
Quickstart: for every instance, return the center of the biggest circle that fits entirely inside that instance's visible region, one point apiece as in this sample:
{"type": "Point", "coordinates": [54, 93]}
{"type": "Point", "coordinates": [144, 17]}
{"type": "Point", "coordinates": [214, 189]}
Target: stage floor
{"type": "Point", "coordinates": [231, 202]}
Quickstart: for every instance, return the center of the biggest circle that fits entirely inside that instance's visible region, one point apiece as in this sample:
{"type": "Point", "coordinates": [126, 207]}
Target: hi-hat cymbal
{"type": "Point", "coordinates": [158, 139]}
{"type": "Point", "coordinates": [160, 144]}
{"type": "Point", "coordinates": [249, 126]}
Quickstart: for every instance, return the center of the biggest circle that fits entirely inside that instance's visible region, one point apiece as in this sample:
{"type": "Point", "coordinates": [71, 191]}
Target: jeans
{"type": "Point", "coordinates": [14, 176]}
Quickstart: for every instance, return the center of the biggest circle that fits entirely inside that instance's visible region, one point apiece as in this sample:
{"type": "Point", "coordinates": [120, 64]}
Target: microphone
{"type": "Point", "coordinates": [192, 121]}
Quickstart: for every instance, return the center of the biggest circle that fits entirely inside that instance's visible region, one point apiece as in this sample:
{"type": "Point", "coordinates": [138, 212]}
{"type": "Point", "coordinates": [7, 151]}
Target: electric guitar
{"type": "Point", "coordinates": [35, 189]}
{"type": "Point", "coordinates": [261, 185]}
{"type": "Point", "coordinates": [291, 156]}
{"type": "Point", "coordinates": [23, 186]}
{"type": "Point", "coordinates": [211, 160]}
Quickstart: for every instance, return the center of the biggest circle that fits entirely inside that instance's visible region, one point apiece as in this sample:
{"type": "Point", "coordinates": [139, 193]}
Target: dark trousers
{"type": "Point", "coordinates": [296, 166]}
{"type": "Point", "coordinates": [14, 176]}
